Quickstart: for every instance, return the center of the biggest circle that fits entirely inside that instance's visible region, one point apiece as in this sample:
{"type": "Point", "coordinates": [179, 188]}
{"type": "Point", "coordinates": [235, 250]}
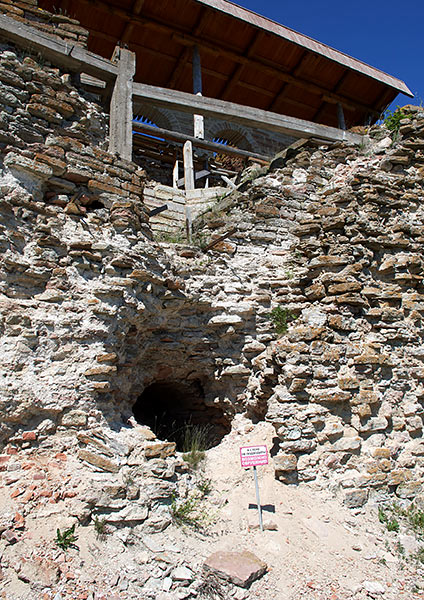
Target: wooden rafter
{"type": "Point", "coordinates": [128, 29]}
{"type": "Point", "coordinates": [185, 55]}
{"type": "Point", "coordinates": [134, 46]}
{"type": "Point", "coordinates": [280, 94]}
{"type": "Point", "coordinates": [238, 71]}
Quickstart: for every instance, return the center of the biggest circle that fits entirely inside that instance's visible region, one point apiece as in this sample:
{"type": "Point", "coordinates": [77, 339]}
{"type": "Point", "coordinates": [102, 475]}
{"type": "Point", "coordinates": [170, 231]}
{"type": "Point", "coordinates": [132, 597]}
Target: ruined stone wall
{"type": "Point", "coordinates": [59, 24]}
{"type": "Point", "coordinates": [343, 385]}
{"type": "Point", "coordinates": [93, 312]}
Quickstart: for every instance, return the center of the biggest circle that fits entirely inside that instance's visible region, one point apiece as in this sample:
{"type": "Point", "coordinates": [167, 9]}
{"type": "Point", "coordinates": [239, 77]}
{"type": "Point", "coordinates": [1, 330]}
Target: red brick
{"type": "Point", "coordinates": [3, 460]}
{"type": "Point", "coordinates": [11, 450]}
{"type": "Point", "coordinates": [19, 521]}
{"type": "Point", "coordinates": [17, 492]}
{"type": "Point", "coordinates": [29, 436]}
{"type": "Point", "coordinates": [39, 476]}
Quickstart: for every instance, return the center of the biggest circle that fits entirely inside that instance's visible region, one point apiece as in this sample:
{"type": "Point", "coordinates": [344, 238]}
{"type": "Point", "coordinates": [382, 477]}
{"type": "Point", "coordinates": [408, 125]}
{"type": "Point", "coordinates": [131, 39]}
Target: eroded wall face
{"type": "Point", "coordinates": [343, 383]}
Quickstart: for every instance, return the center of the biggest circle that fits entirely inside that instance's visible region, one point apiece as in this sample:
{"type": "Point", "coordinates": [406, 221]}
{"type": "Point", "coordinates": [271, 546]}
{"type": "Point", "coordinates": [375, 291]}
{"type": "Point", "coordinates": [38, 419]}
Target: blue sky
{"type": "Point", "coordinates": [386, 34]}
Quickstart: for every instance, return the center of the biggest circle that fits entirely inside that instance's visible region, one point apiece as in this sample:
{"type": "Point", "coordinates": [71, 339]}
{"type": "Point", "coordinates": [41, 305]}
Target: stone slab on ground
{"type": "Point", "coordinates": [240, 568]}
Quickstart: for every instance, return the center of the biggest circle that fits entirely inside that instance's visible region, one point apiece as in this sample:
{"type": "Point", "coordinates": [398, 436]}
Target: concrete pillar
{"type": "Point", "coordinates": [121, 105]}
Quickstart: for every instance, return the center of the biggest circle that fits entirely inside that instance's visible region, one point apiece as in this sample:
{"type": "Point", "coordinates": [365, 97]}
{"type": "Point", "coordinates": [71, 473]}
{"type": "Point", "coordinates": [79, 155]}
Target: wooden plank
{"type": "Point", "coordinates": [244, 115]}
{"type": "Point", "coordinates": [197, 177]}
{"type": "Point", "coordinates": [188, 166]}
{"type": "Point", "coordinates": [220, 239]}
{"type": "Point", "coordinates": [121, 106]}
{"type": "Point", "coordinates": [205, 144]}
{"type": "Point", "coordinates": [62, 54]}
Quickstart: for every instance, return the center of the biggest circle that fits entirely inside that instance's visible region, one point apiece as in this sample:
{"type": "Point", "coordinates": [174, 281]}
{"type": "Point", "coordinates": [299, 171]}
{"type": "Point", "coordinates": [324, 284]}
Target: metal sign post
{"type": "Point", "coordinates": [253, 456]}
{"type": "Point", "coordinates": [258, 500]}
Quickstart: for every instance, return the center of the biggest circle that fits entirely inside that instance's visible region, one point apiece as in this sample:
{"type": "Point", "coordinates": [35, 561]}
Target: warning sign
{"type": "Point", "coordinates": [253, 456]}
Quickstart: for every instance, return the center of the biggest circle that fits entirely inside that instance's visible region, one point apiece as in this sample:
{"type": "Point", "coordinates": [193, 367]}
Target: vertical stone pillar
{"type": "Point", "coordinates": [121, 105]}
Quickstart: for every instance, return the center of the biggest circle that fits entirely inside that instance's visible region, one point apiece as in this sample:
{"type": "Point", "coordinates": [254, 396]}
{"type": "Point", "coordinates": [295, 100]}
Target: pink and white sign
{"type": "Point", "coordinates": [253, 456]}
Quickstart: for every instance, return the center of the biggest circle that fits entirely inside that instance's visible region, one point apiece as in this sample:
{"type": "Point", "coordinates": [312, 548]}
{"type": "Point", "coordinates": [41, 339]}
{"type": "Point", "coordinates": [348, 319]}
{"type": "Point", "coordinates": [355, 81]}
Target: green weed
{"type": "Point", "coordinates": [100, 527]}
{"type": "Point", "coordinates": [67, 538]}
{"type": "Point", "coordinates": [415, 519]}
{"type": "Point", "coordinates": [188, 512]}
{"type": "Point", "coordinates": [205, 486]}
{"type": "Point", "coordinates": [280, 318]}
{"type": "Point", "coordinates": [196, 439]}
{"type": "Point", "coordinates": [392, 121]}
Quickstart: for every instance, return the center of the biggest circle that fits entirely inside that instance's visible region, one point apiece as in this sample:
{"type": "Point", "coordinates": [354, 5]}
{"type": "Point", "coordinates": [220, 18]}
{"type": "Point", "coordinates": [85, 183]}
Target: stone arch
{"type": "Point", "coordinates": [152, 115]}
{"type": "Point", "coordinates": [231, 133]}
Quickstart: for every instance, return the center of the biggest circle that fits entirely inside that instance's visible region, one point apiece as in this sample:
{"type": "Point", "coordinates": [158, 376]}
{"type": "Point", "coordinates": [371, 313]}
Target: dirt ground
{"type": "Point", "coordinates": [314, 547]}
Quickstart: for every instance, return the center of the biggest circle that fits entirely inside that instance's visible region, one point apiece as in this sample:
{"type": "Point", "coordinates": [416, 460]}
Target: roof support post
{"type": "Point", "coordinates": [341, 117]}
{"type": "Point", "coordinates": [188, 166]}
{"type": "Point", "coordinates": [199, 127]}
{"type": "Point", "coordinates": [121, 105]}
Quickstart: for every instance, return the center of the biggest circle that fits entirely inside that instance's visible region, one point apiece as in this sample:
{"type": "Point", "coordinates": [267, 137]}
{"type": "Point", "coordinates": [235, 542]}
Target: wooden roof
{"type": "Point", "coordinates": [246, 58]}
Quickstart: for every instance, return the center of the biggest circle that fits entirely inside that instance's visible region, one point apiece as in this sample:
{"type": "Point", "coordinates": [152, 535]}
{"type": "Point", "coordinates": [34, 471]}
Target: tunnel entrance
{"type": "Point", "coordinates": [174, 408]}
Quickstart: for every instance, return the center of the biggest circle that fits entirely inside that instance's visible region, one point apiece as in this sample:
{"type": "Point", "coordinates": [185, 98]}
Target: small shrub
{"type": "Point", "coordinates": [212, 588]}
{"type": "Point", "coordinates": [100, 527]}
{"type": "Point", "coordinates": [416, 519]}
{"type": "Point", "coordinates": [280, 318]}
{"type": "Point", "coordinates": [419, 556]}
{"type": "Point", "coordinates": [382, 517]}
{"type": "Point", "coordinates": [66, 539]}
{"type": "Point", "coordinates": [392, 525]}
{"type": "Point", "coordinates": [392, 121]}
{"type": "Point", "coordinates": [187, 512]}
{"type": "Point", "coordinates": [204, 486]}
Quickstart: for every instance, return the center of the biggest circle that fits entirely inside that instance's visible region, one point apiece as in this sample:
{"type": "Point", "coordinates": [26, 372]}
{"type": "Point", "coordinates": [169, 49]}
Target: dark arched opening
{"type": "Point", "coordinates": [170, 408]}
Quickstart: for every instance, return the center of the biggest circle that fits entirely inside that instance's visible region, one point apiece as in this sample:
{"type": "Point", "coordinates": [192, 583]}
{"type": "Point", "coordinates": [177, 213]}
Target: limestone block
{"type": "Point", "coordinates": [331, 395]}
{"type": "Point", "coordinates": [159, 449]}
{"type": "Point", "coordinates": [98, 461]}
{"type": "Point", "coordinates": [240, 568]}
{"type": "Point", "coordinates": [285, 462]}
{"type": "Point", "coordinates": [74, 418]}
{"type": "Point", "coordinates": [225, 320]}
{"type": "Point", "coordinates": [347, 444]}
{"type": "Point", "coordinates": [355, 498]}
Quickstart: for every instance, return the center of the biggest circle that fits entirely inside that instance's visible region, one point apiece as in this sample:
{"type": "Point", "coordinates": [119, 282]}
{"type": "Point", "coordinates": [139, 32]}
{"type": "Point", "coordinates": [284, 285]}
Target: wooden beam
{"type": "Point", "coordinates": [205, 144]}
{"type": "Point", "coordinates": [186, 53]}
{"type": "Point", "coordinates": [340, 116]}
{"type": "Point", "coordinates": [121, 105]}
{"type": "Point", "coordinates": [244, 115]}
{"type": "Point", "coordinates": [238, 71]}
{"type": "Point", "coordinates": [221, 238]}
{"type": "Point", "coordinates": [62, 54]}
{"type": "Point", "coordinates": [188, 166]}
{"type": "Point", "coordinates": [128, 29]}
